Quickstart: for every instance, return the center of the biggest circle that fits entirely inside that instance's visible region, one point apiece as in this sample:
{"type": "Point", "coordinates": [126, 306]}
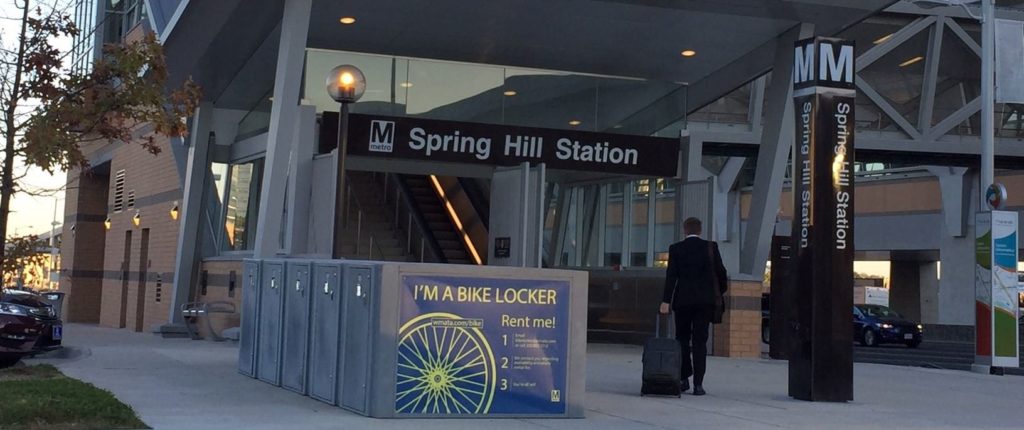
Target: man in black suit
{"type": "Point", "coordinates": [694, 265]}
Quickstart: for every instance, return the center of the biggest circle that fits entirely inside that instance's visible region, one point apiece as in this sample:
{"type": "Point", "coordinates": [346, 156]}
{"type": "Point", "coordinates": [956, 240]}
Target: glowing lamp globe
{"type": "Point", "coordinates": [346, 84]}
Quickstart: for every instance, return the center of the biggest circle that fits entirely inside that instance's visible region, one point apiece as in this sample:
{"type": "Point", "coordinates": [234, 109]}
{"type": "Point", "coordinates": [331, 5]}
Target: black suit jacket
{"type": "Point", "coordinates": [688, 279]}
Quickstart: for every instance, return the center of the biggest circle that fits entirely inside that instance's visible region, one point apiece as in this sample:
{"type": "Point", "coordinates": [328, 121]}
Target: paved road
{"type": "Point", "coordinates": [184, 384]}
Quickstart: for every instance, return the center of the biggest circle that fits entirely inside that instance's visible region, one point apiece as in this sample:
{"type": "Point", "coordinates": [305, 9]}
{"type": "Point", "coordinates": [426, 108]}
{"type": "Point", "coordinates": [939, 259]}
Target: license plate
{"type": "Point", "coordinates": [908, 336]}
{"type": "Point", "coordinates": [58, 332]}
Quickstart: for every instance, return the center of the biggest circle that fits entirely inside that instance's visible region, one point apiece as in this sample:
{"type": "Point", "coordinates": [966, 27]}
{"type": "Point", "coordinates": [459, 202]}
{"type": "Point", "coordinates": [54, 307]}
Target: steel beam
{"type": "Point", "coordinates": [283, 115]}
{"type": "Point", "coordinates": [889, 110]}
{"type": "Point", "coordinates": [188, 232]}
{"type": "Point", "coordinates": [931, 75]}
{"type": "Point", "coordinates": [773, 154]}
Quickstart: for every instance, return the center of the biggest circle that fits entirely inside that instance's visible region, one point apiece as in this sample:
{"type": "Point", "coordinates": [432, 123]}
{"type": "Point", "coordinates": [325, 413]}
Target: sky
{"type": "Point", "coordinates": [32, 214]}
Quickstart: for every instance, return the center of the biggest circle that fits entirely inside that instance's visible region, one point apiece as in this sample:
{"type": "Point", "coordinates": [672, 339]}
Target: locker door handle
{"type": "Point", "coordinates": [298, 285]}
{"type": "Point", "coordinates": [273, 283]}
{"type": "Point", "coordinates": [327, 289]}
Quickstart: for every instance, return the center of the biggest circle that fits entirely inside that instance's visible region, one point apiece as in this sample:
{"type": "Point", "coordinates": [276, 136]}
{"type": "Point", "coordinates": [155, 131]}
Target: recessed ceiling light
{"type": "Point", "coordinates": [575, 122]}
{"type": "Point", "coordinates": [883, 39]}
{"type": "Point", "coordinates": [911, 61]}
{"type": "Point", "coordinates": [405, 84]}
{"type": "Point", "coordinates": [688, 53]}
{"type": "Point", "coordinates": [510, 93]}
{"type": "Point", "coordinates": [347, 20]}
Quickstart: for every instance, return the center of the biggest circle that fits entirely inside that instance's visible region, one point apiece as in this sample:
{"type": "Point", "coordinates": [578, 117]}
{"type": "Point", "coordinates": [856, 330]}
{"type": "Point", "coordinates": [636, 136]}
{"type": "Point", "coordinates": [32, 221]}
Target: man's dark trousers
{"type": "Point", "coordinates": [692, 323]}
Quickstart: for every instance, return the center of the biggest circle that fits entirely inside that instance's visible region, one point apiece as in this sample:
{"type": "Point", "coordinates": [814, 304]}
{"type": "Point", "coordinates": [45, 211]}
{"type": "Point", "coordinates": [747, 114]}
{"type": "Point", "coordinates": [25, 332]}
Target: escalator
{"type": "Point", "coordinates": [451, 216]}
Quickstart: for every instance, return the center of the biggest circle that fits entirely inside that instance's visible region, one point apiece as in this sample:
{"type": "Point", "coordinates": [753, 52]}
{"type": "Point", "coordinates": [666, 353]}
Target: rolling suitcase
{"type": "Point", "coordinates": [662, 361]}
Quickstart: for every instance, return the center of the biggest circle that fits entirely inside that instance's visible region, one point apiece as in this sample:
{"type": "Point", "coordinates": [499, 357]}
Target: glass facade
{"type": "Point", "coordinates": [84, 43]}
{"type": "Point", "coordinates": [601, 229]}
{"type": "Point", "coordinates": [483, 93]}
{"type": "Point", "coordinates": [241, 203]}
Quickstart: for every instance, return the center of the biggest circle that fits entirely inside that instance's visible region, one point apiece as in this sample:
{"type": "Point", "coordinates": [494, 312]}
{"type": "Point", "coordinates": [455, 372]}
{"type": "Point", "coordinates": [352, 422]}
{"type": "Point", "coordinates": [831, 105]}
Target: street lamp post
{"type": "Point", "coordinates": [345, 84]}
{"type": "Point", "coordinates": [988, 48]}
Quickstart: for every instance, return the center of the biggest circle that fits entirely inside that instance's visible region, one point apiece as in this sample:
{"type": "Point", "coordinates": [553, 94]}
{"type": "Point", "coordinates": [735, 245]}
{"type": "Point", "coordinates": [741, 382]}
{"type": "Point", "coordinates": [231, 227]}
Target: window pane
{"type": "Point", "coordinates": [664, 221]}
{"type": "Point", "coordinates": [242, 206]}
{"type": "Point", "coordinates": [613, 226]}
{"type": "Point", "coordinates": [638, 224]}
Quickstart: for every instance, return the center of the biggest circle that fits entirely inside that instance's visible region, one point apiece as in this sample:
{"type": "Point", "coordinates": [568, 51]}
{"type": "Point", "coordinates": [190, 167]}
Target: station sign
{"type": "Point", "coordinates": [821, 355]}
{"type": "Point", "coordinates": [482, 347]}
{"type": "Point", "coordinates": [499, 145]}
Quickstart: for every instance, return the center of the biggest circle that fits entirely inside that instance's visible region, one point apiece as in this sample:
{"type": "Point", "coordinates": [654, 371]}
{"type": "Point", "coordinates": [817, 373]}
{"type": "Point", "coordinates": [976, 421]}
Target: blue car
{"type": "Point", "coordinates": [875, 324]}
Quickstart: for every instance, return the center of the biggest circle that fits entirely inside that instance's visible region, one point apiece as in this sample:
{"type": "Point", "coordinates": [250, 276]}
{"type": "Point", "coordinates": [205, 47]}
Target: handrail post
{"type": "Point", "coordinates": [359, 229]}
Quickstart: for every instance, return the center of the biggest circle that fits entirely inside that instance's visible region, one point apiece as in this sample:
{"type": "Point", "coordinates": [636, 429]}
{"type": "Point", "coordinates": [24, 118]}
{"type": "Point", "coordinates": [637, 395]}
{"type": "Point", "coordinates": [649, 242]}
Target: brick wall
{"type": "Point", "coordinates": [135, 290]}
{"type": "Point", "coordinates": [82, 242]}
{"type": "Point", "coordinates": [739, 335]}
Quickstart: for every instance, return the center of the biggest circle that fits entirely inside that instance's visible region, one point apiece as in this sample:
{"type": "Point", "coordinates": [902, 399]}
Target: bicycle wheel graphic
{"type": "Point", "coordinates": [443, 370]}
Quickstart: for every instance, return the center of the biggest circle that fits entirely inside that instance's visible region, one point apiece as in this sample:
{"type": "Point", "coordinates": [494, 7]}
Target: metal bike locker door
{"type": "Point", "coordinates": [250, 315]}
{"type": "Point", "coordinates": [268, 347]}
{"type": "Point", "coordinates": [359, 290]}
{"type": "Point", "coordinates": [294, 352]}
{"type": "Point", "coordinates": [325, 325]}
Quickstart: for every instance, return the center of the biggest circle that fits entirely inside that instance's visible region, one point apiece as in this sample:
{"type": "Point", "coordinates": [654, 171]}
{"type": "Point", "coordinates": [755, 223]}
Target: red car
{"type": "Point", "coordinates": [28, 326]}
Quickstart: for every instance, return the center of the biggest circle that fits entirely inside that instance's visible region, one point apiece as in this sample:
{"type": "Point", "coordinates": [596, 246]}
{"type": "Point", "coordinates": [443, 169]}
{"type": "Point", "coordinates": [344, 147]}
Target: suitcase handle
{"type": "Point", "coordinates": [657, 324]}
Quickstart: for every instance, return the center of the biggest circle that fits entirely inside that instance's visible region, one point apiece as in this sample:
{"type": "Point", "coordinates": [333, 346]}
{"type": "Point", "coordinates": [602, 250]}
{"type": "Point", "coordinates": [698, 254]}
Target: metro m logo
{"type": "Point", "coordinates": [382, 136]}
{"type": "Point", "coordinates": [825, 62]}
{"type": "Point", "coordinates": [803, 67]}
{"type": "Point", "coordinates": [832, 70]}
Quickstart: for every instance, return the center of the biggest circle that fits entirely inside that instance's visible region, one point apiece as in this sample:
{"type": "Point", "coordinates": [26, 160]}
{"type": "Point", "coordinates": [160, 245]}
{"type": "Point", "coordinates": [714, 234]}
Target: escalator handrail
{"type": "Point", "coordinates": [421, 223]}
{"type": "Point", "coordinates": [476, 200]}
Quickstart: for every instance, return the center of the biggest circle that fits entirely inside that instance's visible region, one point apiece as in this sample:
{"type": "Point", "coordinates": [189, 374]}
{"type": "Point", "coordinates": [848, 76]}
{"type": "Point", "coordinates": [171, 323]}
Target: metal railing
{"type": "Point", "coordinates": [419, 238]}
{"type": "Point", "coordinates": [352, 203]}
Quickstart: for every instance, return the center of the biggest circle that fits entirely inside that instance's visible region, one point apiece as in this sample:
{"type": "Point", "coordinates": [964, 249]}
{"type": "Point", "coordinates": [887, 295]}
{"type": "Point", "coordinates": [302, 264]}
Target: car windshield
{"type": "Point", "coordinates": [879, 312]}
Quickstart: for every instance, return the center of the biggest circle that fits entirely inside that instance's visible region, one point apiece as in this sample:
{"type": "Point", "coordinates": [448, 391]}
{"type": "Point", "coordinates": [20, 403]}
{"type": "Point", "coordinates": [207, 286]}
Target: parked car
{"type": "Point", "coordinates": [877, 324]}
{"type": "Point", "coordinates": [28, 326]}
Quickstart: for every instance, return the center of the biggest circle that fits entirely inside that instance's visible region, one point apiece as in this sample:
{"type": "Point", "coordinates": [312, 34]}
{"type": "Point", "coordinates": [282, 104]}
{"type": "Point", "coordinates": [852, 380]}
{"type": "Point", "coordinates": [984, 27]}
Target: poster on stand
{"type": "Point", "coordinates": [996, 291]}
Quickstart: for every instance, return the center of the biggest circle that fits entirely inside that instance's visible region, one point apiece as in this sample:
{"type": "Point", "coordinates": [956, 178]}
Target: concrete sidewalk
{"type": "Point", "coordinates": [185, 384]}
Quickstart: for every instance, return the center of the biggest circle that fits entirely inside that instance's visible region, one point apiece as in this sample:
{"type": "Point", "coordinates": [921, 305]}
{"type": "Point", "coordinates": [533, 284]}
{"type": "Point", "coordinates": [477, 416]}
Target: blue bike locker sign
{"type": "Point", "coordinates": [481, 346]}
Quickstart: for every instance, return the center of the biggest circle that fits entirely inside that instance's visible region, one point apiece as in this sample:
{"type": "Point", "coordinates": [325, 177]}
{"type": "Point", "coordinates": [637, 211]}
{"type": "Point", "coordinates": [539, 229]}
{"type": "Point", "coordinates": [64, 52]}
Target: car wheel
{"type": "Point", "coordinates": [869, 338]}
{"type": "Point", "coordinates": [913, 344]}
{"type": "Point", "coordinates": [9, 360]}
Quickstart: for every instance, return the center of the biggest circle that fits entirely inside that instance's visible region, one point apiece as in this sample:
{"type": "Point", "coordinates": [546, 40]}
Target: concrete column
{"type": "Point", "coordinates": [956, 279]}
{"type": "Point", "coordinates": [772, 156]}
{"type": "Point", "coordinates": [929, 279]}
{"type": "Point", "coordinates": [725, 210]}
{"type": "Point", "coordinates": [514, 216]}
{"type": "Point", "coordinates": [300, 186]}
{"type": "Point", "coordinates": [955, 192]}
{"type": "Point", "coordinates": [905, 288]}
{"type": "Point", "coordinates": [191, 208]}
{"type": "Point", "coordinates": [283, 119]}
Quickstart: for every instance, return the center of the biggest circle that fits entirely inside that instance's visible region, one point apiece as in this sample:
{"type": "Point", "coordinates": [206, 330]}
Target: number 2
{"type": "Point", "coordinates": [504, 362]}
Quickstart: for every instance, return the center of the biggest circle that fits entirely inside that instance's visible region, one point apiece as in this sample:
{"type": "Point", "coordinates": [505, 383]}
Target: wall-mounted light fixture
{"type": "Point", "coordinates": [107, 223]}
{"type": "Point", "coordinates": [137, 219]}
{"type": "Point", "coordinates": [174, 211]}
